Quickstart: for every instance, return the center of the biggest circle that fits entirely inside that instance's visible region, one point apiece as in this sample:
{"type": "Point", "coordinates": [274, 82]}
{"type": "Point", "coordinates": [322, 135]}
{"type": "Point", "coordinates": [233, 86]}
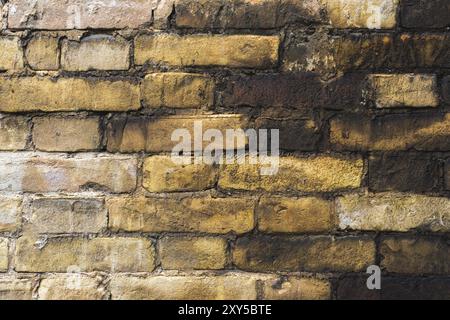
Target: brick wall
{"type": "Point", "coordinates": [90, 92]}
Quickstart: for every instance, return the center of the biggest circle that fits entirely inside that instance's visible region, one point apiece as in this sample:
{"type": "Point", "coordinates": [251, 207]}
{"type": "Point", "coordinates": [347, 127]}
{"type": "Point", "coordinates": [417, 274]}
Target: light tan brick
{"type": "Point", "coordinates": [282, 214]}
{"type": "Point", "coordinates": [66, 133]}
{"type": "Point", "coordinates": [209, 215]}
{"type": "Point", "coordinates": [11, 56]}
{"type": "Point", "coordinates": [12, 288]}
{"type": "Point", "coordinates": [235, 51]}
{"type": "Point", "coordinates": [312, 174]}
{"type": "Point", "coordinates": [394, 212]}
{"type": "Point", "coordinates": [226, 287]}
{"type": "Point", "coordinates": [178, 90]}
{"type": "Point", "coordinates": [372, 14]}
{"type": "Point", "coordinates": [295, 288]}
{"type": "Point", "coordinates": [403, 90]}
{"type": "Point", "coordinates": [133, 134]}
{"type": "Point", "coordinates": [192, 253]}
{"type": "Point", "coordinates": [162, 174]}
{"type": "Point", "coordinates": [71, 287]}
{"type": "Point", "coordinates": [98, 52]}
{"type": "Point", "coordinates": [55, 215]}
{"type": "Point", "coordinates": [4, 247]}
{"type": "Point", "coordinates": [42, 52]}
{"type": "Point", "coordinates": [84, 14]}
{"type": "Point", "coordinates": [99, 254]}
{"type": "Point", "coordinates": [415, 255]}
{"type": "Point", "coordinates": [67, 94]}
{"type": "Point", "coordinates": [14, 133]}
{"type": "Point", "coordinates": [10, 213]}
{"type": "Point", "coordinates": [24, 172]}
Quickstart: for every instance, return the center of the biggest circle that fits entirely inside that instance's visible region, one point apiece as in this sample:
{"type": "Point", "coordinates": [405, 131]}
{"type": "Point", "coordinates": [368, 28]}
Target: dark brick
{"type": "Point", "coordinates": [404, 172]}
{"type": "Point", "coordinates": [425, 13]}
{"type": "Point", "coordinates": [446, 89]}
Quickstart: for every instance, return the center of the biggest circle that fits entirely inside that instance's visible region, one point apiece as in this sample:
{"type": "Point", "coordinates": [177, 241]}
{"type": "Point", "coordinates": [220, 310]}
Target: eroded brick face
{"type": "Point", "coordinates": [93, 93]}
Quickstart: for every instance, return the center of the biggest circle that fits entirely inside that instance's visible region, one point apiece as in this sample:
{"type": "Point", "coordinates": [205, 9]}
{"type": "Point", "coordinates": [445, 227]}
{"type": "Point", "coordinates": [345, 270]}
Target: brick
{"type": "Point", "coordinates": [11, 56]}
{"type": "Point", "coordinates": [98, 52]}
{"type": "Point", "coordinates": [4, 245]}
{"type": "Point", "coordinates": [309, 174]}
{"type": "Point", "coordinates": [225, 287]}
{"type": "Point", "coordinates": [178, 90]}
{"type": "Point", "coordinates": [192, 253]}
{"type": "Point", "coordinates": [403, 90]}
{"type": "Point", "coordinates": [99, 254]}
{"type": "Point", "coordinates": [282, 214]}
{"type": "Point", "coordinates": [246, 14]}
{"type": "Point", "coordinates": [69, 134]}
{"type": "Point", "coordinates": [161, 174]}
{"type": "Point", "coordinates": [42, 52]}
{"type": "Point", "coordinates": [71, 287]}
{"type": "Point", "coordinates": [80, 14]}
{"type": "Point", "coordinates": [14, 132]}
{"type": "Point", "coordinates": [365, 51]}
{"type": "Point", "coordinates": [206, 214]}
{"type": "Point", "coordinates": [425, 14]}
{"type": "Point", "coordinates": [318, 254]}
{"type": "Point", "coordinates": [67, 94]}
{"type": "Point", "coordinates": [54, 215]}
{"type": "Point", "coordinates": [394, 212]}
{"type": "Point", "coordinates": [234, 51]}
{"type": "Point", "coordinates": [372, 14]}
{"type": "Point", "coordinates": [404, 172]}
{"type": "Point", "coordinates": [10, 213]}
{"type": "Point", "coordinates": [295, 288]}
{"type": "Point", "coordinates": [134, 134]}
{"type": "Point", "coordinates": [395, 132]}
{"type": "Point", "coordinates": [12, 288]}
{"type": "Point", "coordinates": [409, 255]}
{"type": "Point", "coordinates": [446, 89]}
{"type": "Point", "coordinates": [28, 173]}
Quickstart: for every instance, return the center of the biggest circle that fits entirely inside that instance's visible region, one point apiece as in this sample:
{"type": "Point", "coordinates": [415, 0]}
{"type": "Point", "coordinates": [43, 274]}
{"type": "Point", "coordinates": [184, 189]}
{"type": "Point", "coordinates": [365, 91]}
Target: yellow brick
{"type": "Point", "coordinates": [12, 288]}
{"type": "Point", "coordinates": [294, 288]}
{"type": "Point", "coordinates": [99, 254]}
{"type": "Point", "coordinates": [67, 94]}
{"type": "Point", "coordinates": [4, 244]}
{"type": "Point", "coordinates": [11, 56]}
{"type": "Point", "coordinates": [235, 51]}
{"type": "Point", "coordinates": [193, 253]}
{"type": "Point", "coordinates": [162, 174]}
{"type": "Point", "coordinates": [10, 213]}
{"type": "Point", "coordinates": [178, 90]}
{"type": "Point", "coordinates": [42, 52]}
{"type": "Point", "coordinates": [73, 286]}
{"type": "Point", "coordinates": [14, 132]}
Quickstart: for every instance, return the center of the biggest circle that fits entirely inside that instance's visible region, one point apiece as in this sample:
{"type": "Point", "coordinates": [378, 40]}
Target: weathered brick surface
{"type": "Point", "coordinates": [133, 134]}
{"type": "Point", "coordinates": [394, 212]}
{"type": "Point", "coordinates": [209, 215]}
{"type": "Point", "coordinates": [415, 255]}
{"type": "Point", "coordinates": [58, 174]}
{"type": "Point", "coordinates": [67, 94]}
{"type": "Point", "coordinates": [295, 288]}
{"type": "Point", "coordinates": [192, 253]}
{"type": "Point", "coordinates": [234, 51]}
{"type": "Point", "coordinates": [280, 214]}
{"type": "Point", "coordinates": [97, 96]}
{"type": "Point", "coordinates": [312, 174]}
{"type": "Point", "coordinates": [11, 54]}
{"type": "Point", "coordinates": [10, 213]}
{"type": "Point", "coordinates": [50, 215]}
{"type": "Point", "coordinates": [99, 52]}
{"type": "Point", "coordinates": [304, 254]}
{"type": "Point", "coordinates": [234, 287]}
{"type": "Point", "coordinates": [99, 254]}
{"type": "Point", "coordinates": [162, 174]}
{"type": "Point", "coordinates": [14, 132]}
{"type": "Point", "coordinates": [403, 90]}
{"type": "Point", "coordinates": [57, 134]}
{"type": "Point", "coordinates": [178, 90]}
{"type": "Point", "coordinates": [71, 287]}
{"type": "Point", "coordinates": [394, 132]}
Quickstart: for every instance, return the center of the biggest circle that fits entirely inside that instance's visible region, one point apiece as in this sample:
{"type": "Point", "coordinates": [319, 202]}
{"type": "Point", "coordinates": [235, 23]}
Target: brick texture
{"type": "Point", "coordinates": [98, 96]}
